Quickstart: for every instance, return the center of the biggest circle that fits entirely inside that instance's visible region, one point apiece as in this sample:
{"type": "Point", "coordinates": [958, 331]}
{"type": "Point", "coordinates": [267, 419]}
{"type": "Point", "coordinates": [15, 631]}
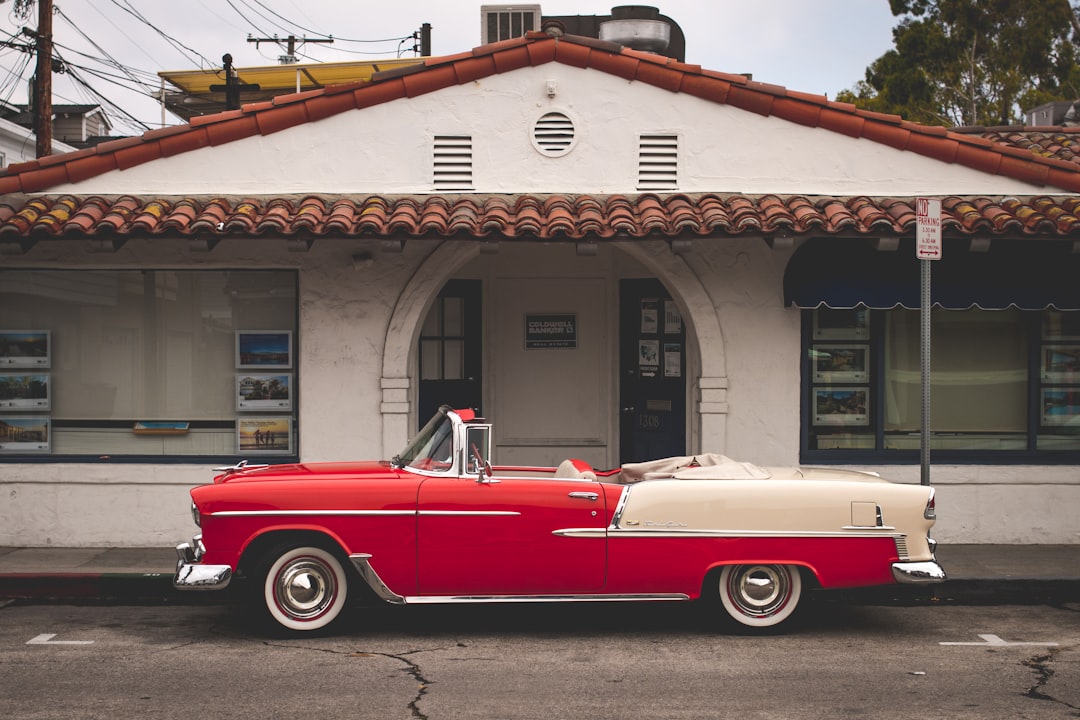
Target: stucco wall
{"type": "Point", "coordinates": [345, 308]}
{"type": "Point", "coordinates": [388, 148]}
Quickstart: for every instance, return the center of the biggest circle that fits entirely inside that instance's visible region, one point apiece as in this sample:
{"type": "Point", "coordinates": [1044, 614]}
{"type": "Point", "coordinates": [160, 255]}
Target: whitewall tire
{"type": "Point", "coordinates": [304, 588]}
{"type": "Point", "coordinates": [760, 596]}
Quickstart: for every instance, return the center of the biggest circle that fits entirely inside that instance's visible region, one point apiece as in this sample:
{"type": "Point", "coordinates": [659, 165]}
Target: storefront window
{"type": "Point", "coordinates": [147, 363]}
{"type": "Point", "coordinates": [1002, 381]}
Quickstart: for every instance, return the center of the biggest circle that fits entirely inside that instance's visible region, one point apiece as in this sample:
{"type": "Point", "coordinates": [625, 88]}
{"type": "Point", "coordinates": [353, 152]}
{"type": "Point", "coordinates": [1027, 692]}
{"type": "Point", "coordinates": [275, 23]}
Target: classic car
{"type": "Point", "coordinates": [440, 524]}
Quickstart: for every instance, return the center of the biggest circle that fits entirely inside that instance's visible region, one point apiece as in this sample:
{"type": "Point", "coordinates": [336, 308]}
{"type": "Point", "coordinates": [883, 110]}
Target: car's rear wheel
{"type": "Point", "coordinates": [760, 596]}
{"type": "Point", "coordinates": [304, 588]}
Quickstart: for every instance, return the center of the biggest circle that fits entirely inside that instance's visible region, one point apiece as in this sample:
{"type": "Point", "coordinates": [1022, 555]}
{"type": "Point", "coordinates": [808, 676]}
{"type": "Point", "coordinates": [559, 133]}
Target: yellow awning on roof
{"type": "Point", "coordinates": [193, 95]}
{"type": "Point", "coordinates": [284, 77]}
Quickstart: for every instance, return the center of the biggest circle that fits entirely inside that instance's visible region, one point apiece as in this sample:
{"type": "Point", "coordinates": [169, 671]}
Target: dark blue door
{"type": "Point", "coordinates": [652, 372]}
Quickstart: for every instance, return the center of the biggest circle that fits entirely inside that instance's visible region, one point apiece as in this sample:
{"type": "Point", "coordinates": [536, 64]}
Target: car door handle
{"type": "Point", "coordinates": [585, 495]}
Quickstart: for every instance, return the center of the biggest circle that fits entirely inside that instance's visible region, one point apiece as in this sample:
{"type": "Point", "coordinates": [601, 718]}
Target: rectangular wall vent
{"type": "Point", "coordinates": [502, 22]}
{"type": "Point", "coordinates": [453, 162]}
{"type": "Point", "coordinates": [658, 162]}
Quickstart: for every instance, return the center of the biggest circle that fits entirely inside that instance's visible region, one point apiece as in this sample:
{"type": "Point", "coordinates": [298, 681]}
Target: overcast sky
{"type": "Point", "coordinates": [818, 46]}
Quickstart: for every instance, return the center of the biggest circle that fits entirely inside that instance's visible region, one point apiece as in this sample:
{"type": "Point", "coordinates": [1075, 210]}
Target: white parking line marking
{"type": "Point", "coordinates": [995, 641]}
{"type": "Point", "coordinates": [47, 639]}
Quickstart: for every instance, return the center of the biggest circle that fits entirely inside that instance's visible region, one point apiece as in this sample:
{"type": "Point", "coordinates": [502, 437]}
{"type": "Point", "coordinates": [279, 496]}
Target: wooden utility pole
{"type": "Point", "coordinates": [42, 100]}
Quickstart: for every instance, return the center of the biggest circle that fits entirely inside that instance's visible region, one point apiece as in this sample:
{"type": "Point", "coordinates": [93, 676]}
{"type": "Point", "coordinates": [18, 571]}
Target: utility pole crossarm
{"type": "Point", "coordinates": [291, 42]}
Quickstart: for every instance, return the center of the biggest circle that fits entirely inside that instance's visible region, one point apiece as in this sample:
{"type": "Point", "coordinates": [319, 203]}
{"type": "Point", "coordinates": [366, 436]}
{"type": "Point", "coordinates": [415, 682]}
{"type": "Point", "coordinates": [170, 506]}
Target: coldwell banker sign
{"type": "Point", "coordinates": [550, 331]}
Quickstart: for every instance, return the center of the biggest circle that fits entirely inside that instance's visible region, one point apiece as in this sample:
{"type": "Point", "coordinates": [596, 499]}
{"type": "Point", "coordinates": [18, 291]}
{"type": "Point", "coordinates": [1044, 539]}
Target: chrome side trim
{"type": "Point", "coordinates": [616, 532]}
{"type": "Point", "coordinates": [581, 532]}
{"type": "Point", "coordinates": [470, 513]}
{"type": "Point", "coordinates": [918, 572]}
{"type": "Point", "coordinates": [620, 507]}
{"type": "Point", "coordinates": [452, 599]}
{"type": "Point", "coordinates": [307, 513]}
{"type": "Point", "coordinates": [357, 513]}
{"type": "Point", "coordinates": [361, 562]}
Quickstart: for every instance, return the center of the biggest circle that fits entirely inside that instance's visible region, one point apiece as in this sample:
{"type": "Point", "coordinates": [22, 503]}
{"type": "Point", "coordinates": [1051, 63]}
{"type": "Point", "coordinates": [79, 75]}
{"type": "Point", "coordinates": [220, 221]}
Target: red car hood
{"type": "Point", "coordinates": [309, 471]}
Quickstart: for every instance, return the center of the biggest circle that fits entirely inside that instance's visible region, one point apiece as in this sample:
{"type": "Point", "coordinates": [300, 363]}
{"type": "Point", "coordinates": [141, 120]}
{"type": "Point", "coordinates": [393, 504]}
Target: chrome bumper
{"type": "Point", "coordinates": [918, 572]}
{"type": "Point", "coordinates": [193, 575]}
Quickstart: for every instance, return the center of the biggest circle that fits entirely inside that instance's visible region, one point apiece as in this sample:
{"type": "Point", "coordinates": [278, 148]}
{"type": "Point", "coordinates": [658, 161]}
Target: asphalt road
{"type": "Point", "coordinates": [568, 661]}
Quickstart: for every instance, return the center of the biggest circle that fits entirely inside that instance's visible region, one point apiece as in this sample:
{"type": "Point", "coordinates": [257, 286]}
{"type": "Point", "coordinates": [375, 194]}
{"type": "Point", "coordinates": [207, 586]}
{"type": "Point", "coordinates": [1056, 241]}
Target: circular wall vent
{"type": "Point", "coordinates": [553, 134]}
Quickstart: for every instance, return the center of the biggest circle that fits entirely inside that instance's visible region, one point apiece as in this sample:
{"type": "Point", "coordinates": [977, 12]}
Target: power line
{"type": "Point", "coordinates": [126, 7]}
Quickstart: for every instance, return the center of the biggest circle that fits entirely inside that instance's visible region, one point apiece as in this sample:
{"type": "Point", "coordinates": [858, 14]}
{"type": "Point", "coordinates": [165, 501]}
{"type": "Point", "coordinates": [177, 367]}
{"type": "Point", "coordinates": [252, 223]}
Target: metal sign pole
{"type": "Point", "coordinates": [924, 344]}
{"type": "Point", "coordinates": [927, 249]}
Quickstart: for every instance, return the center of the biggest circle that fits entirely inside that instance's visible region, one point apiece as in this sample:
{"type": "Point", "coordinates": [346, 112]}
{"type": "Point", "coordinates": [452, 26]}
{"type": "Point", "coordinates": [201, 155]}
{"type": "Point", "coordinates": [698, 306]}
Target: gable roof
{"type": "Point", "coordinates": [538, 48]}
{"type": "Point", "coordinates": [1040, 157]}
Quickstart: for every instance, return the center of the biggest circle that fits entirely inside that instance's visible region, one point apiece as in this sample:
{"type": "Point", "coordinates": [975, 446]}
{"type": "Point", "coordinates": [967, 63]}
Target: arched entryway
{"type": "Point", "coordinates": [706, 379]}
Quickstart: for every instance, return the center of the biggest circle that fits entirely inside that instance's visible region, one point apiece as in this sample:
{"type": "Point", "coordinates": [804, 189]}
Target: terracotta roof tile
{"type": "Point", "coordinates": [945, 149]}
{"type": "Point", "coordinates": [432, 79]}
{"type": "Point", "coordinates": [281, 118]}
{"type": "Point", "coordinates": [323, 106]}
{"type": "Point", "coordinates": [847, 123]}
{"type": "Point", "coordinates": [471, 69]}
{"type": "Point", "coordinates": [614, 63]}
{"type": "Point", "coordinates": [746, 98]}
{"type": "Point", "coordinates": [527, 216]}
{"type": "Point", "coordinates": [798, 111]}
{"type": "Point", "coordinates": [233, 129]}
{"type": "Point", "coordinates": [135, 155]}
{"type": "Point", "coordinates": [378, 93]}
{"type": "Point", "coordinates": [176, 144]}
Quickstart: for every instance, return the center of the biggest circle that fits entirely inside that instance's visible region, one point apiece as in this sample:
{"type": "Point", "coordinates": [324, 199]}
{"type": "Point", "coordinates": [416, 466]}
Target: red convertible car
{"type": "Point", "coordinates": [439, 524]}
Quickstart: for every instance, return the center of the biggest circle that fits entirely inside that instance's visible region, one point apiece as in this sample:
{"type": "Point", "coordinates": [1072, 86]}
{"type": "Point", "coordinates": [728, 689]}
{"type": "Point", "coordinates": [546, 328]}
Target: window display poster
{"type": "Point", "coordinates": [650, 319]}
{"type": "Point", "coordinates": [25, 434]}
{"type": "Point", "coordinates": [840, 406]}
{"type": "Point", "coordinates": [840, 363]}
{"type": "Point", "coordinates": [648, 357]}
{"type": "Point", "coordinates": [264, 392]}
{"type": "Point", "coordinates": [25, 348]}
{"type": "Point", "coordinates": [264, 435]}
{"type": "Point", "coordinates": [1061, 363]}
{"type": "Point", "coordinates": [267, 349]}
{"type": "Point", "coordinates": [672, 360]}
{"type": "Point", "coordinates": [1061, 406]}
{"type": "Point", "coordinates": [672, 318]}
{"type": "Point", "coordinates": [24, 391]}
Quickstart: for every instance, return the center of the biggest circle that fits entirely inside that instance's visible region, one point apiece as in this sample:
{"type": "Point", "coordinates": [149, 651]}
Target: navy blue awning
{"type": "Point", "coordinates": [842, 273]}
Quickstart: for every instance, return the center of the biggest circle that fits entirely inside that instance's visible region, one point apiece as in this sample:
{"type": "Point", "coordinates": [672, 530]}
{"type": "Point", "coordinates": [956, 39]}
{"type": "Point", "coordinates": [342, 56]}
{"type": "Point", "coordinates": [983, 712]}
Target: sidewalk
{"type": "Point", "coordinates": [977, 573]}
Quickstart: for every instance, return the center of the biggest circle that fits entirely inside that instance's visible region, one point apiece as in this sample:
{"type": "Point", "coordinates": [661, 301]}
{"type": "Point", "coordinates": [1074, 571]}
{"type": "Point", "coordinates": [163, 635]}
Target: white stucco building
{"type": "Point", "coordinates": [611, 254]}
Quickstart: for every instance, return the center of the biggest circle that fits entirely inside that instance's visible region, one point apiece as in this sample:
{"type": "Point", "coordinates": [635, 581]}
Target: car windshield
{"type": "Point", "coordinates": [432, 448]}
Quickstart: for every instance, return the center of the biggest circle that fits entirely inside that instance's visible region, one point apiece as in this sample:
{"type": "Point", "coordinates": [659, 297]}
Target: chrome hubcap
{"type": "Point", "coordinates": [759, 590]}
{"type": "Point", "coordinates": [305, 588]}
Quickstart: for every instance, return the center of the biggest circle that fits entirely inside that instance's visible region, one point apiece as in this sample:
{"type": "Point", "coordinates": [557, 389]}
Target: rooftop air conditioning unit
{"type": "Point", "coordinates": [502, 22]}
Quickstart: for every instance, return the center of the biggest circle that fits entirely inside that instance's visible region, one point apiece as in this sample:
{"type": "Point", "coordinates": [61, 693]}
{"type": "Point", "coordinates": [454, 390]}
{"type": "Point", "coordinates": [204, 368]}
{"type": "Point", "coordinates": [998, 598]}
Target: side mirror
{"type": "Point", "coordinates": [477, 451]}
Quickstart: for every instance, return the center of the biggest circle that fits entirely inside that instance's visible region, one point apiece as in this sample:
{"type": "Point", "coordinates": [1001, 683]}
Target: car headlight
{"type": "Point", "coordinates": [195, 515]}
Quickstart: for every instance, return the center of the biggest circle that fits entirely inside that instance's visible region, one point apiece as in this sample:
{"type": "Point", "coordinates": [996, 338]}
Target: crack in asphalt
{"type": "Point", "coordinates": [411, 668]}
{"type": "Point", "coordinates": [1040, 664]}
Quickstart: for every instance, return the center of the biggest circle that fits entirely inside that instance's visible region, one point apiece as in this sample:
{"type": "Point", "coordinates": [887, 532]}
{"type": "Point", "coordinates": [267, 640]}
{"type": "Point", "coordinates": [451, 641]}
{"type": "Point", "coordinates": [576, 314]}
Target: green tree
{"type": "Point", "coordinates": [973, 62]}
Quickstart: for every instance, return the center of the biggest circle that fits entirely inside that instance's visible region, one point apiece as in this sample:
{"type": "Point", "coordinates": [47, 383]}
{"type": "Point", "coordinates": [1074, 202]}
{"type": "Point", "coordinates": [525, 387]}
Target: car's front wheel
{"type": "Point", "coordinates": [760, 596]}
{"type": "Point", "coordinates": [304, 588]}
